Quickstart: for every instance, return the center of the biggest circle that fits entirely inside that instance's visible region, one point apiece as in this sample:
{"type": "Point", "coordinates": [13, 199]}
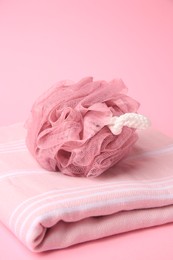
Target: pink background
{"type": "Point", "coordinates": [42, 42]}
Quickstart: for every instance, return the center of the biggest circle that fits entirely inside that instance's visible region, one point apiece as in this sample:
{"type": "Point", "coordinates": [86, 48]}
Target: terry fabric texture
{"type": "Point", "coordinates": [48, 210]}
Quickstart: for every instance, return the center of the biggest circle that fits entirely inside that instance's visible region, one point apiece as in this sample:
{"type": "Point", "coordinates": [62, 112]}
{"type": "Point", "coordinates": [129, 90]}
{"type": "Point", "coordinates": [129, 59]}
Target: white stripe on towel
{"type": "Point", "coordinates": [12, 143]}
{"type": "Point", "coordinates": [75, 190]}
{"type": "Point", "coordinates": [88, 196]}
{"type": "Point", "coordinates": [21, 172]}
{"type": "Point", "coordinates": [13, 146]}
{"type": "Point", "coordinates": [160, 151]}
{"type": "Point", "coordinates": [97, 204]}
{"type": "Point", "coordinates": [91, 206]}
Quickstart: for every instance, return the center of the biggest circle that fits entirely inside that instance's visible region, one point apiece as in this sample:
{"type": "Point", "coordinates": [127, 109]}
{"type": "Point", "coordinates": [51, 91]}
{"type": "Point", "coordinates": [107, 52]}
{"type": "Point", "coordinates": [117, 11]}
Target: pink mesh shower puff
{"type": "Point", "coordinates": [67, 130]}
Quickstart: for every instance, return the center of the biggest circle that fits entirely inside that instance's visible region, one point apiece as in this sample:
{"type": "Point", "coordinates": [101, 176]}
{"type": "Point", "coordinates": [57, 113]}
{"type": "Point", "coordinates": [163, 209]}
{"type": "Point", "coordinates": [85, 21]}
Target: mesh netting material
{"type": "Point", "coordinates": [67, 130]}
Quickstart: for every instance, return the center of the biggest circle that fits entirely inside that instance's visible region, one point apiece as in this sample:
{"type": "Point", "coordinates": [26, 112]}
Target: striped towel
{"type": "Point", "coordinates": [48, 210]}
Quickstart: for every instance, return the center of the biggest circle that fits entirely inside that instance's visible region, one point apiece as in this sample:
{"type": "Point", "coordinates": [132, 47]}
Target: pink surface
{"type": "Point", "coordinates": [46, 41]}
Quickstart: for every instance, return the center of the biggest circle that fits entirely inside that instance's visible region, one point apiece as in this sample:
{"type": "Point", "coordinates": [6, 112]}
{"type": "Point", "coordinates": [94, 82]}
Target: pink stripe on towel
{"type": "Point", "coordinates": [48, 210]}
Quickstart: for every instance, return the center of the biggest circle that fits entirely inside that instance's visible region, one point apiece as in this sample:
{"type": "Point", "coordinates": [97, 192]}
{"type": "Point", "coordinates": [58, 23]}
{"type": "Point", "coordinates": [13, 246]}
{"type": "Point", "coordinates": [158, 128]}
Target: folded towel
{"type": "Point", "coordinates": [48, 210]}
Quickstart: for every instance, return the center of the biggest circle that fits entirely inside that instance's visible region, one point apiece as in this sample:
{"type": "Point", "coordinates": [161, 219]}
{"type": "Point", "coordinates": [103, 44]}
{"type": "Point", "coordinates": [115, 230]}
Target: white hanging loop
{"type": "Point", "coordinates": [132, 120]}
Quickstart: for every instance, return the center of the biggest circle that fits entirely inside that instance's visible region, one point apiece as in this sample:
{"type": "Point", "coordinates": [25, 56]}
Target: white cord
{"type": "Point", "coordinates": [132, 120]}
